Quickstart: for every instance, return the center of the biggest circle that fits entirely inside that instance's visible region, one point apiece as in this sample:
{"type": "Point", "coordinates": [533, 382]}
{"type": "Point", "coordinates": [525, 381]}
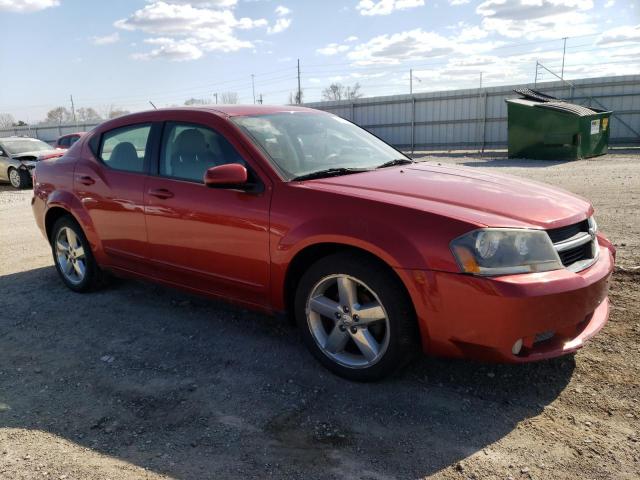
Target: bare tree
{"type": "Point", "coordinates": [87, 114]}
{"type": "Point", "coordinates": [197, 101]}
{"type": "Point", "coordinates": [295, 98]}
{"type": "Point", "coordinates": [337, 91]}
{"type": "Point", "coordinates": [229, 97]}
{"type": "Point", "coordinates": [6, 120]}
{"type": "Point", "coordinates": [58, 115]}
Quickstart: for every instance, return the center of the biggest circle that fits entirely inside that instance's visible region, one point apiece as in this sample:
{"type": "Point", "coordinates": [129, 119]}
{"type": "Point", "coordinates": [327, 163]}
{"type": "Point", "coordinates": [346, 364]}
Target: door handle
{"type": "Point", "coordinates": [86, 180]}
{"type": "Point", "coordinates": [162, 193]}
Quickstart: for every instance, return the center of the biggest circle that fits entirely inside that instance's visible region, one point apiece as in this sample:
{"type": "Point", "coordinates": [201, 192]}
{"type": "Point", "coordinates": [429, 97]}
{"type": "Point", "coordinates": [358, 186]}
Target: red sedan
{"type": "Point", "coordinates": [292, 210]}
{"type": "Point", "coordinates": [66, 141]}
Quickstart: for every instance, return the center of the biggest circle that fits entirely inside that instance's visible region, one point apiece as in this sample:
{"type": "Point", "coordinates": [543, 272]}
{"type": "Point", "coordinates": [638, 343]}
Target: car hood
{"type": "Point", "coordinates": [464, 193]}
{"type": "Point", "coordinates": [38, 155]}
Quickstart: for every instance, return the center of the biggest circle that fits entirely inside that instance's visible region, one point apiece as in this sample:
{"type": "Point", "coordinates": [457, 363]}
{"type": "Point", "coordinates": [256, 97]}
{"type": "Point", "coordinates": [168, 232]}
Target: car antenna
{"type": "Point", "coordinates": [153, 105]}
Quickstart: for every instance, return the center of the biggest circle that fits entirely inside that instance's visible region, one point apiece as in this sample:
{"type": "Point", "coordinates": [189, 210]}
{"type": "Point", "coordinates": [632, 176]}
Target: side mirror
{"type": "Point", "coordinates": [231, 175]}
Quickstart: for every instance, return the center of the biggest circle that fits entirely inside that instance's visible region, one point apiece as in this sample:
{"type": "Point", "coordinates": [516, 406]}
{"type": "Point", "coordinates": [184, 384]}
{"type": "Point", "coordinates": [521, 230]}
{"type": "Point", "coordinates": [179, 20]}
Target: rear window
{"type": "Point", "coordinates": [125, 148]}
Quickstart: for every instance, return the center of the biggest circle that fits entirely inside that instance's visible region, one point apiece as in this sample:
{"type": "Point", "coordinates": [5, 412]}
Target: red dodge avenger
{"type": "Point", "coordinates": [287, 209]}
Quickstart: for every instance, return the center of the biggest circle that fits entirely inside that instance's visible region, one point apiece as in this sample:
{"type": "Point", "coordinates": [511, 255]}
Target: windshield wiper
{"type": "Point", "coordinates": [394, 162]}
{"type": "Point", "coordinates": [329, 172]}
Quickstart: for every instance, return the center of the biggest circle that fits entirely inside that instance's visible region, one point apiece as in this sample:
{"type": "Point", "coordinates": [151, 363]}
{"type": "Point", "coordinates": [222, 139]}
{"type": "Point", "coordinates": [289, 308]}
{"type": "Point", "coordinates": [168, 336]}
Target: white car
{"type": "Point", "coordinates": [18, 157]}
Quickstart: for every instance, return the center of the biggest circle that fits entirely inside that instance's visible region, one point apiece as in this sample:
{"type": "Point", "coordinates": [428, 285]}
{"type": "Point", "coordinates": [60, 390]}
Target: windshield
{"type": "Point", "coordinates": [22, 145]}
{"type": "Point", "coordinates": [301, 143]}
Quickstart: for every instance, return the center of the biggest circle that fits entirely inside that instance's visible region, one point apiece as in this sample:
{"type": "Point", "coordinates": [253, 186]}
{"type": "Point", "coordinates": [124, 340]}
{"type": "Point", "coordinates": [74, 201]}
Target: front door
{"type": "Point", "coordinates": [212, 240]}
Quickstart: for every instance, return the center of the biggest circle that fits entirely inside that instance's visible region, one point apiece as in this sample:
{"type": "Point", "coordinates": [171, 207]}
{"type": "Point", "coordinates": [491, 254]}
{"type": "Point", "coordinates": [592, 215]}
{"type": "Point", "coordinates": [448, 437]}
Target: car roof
{"type": "Point", "coordinates": [225, 111]}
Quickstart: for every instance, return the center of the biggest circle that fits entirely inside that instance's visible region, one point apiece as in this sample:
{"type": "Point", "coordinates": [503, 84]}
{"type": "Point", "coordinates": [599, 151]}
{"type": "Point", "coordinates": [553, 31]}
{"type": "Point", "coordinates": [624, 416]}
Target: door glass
{"type": "Point", "coordinates": [125, 148]}
{"type": "Point", "coordinates": [189, 150]}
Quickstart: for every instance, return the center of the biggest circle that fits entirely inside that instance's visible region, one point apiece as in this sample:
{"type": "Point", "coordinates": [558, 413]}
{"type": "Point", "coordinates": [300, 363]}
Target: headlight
{"type": "Point", "coordinates": [504, 251]}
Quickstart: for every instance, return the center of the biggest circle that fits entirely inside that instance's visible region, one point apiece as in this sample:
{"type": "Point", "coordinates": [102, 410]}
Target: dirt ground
{"type": "Point", "coordinates": [138, 381]}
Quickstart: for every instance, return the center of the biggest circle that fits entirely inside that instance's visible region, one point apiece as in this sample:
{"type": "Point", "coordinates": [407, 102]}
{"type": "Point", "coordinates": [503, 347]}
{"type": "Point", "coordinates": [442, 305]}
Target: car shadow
{"type": "Point", "coordinates": [513, 162]}
{"type": "Point", "coordinates": [193, 388]}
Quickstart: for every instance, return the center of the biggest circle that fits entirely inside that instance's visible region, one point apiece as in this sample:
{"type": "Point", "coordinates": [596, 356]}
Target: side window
{"type": "Point", "coordinates": [73, 140]}
{"type": "Point", "coordinates": [125, 148]}
{"type": "Point", "coordinates": [64, 142]}
{"type": "Point", "coordinates": [189, 150]}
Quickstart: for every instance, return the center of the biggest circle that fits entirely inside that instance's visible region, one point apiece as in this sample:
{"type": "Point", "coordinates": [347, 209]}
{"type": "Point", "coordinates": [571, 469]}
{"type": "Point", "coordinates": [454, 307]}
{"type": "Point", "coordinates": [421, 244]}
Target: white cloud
{"type": "Point", "coordinates": [626, 33]}
{"type": "Point", "coordinates": [282, 11]}
{"type": "Point", "coordinates": [458, 2]}
{"type": "Point", "coordinates": [26, 6]}
{"type": "Point", "coordinates": [177, 51]}
{"type": "Point", "coordinates": [106, 39]}
{"type": "Point", "coordinates": [609, 4]}
{"type": "Point", "coordinates": [191, 30]}
{"type": "Point", "coordinates": [282, 23]}
{"type": "Point", "coordinates": [332, 49]}
{"type": "Point", "coordinates": [537, 18]}
{"type": "Point", "coordinates": [385, 7]}
{"type": "Point", "coordinates": [280, 26]}
{"type": "Point", "coordinates": [352, 38]}
{"type": "Point", "coordinates": [398, 47]}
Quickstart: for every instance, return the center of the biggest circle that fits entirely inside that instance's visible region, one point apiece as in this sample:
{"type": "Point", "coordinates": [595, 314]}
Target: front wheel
{"type": "Point", "coordinates": [19, 178]}
{"type": "Point", "coordinates": [73, 257]}
{"type": "Point", "coordinates": [355, 317]}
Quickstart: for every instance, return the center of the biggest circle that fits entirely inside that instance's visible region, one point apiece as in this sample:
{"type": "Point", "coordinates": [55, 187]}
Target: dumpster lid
{"type": "Point", "coordinates": [530, 94]}
{"type": "Point", "coordinates": [578, 110]}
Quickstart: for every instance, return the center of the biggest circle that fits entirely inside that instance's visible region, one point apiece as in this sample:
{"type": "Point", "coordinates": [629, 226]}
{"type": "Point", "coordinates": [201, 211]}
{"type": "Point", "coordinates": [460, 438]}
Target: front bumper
{"type": "Point", "coordinates": [553, 313]}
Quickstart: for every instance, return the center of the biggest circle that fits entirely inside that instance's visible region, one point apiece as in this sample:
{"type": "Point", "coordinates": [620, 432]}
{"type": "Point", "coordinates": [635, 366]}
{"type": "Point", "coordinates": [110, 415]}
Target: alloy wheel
{"type": "Point", "coordinates": [70, 255]}
{"type": "Point", "coordinates": [14, 178]}
{"type": "Point", "coordinates": [348, 321]}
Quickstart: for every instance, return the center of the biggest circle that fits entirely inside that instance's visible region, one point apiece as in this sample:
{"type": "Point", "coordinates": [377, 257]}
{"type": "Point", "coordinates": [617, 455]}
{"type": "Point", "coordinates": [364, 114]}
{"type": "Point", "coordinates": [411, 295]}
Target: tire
{"type": "Point", "coordinates": [356, 342]}
{"type": "Point", "coordinates": [71, 261]}
{"type": "Point", "coordinates": [19, 178]}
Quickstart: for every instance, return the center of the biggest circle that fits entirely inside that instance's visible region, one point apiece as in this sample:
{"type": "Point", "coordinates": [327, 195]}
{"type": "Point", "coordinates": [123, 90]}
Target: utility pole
{"type": "Point", "coordinates": [260, 99]}
{"type": "Point", "coordinates": [480, 79]}
{"type": "Point", "coordinates": [253, 88]}
{"type": "Point", "coordinates": [73, 111]}
{"type": "Point", "coordinates": [564, 51]}
{"type": "Point", "coordinates": [535, 80]}
{"type": "Point", "coordinates": [411, 81]}
{"type": "Point", "coordinates": [216, 95]}
{"type": "Point", "coordinates": [299, 96]}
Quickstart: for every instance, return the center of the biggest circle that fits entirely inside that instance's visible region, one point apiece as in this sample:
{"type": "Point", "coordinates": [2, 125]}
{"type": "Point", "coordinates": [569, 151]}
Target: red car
{"type": "Point", "coordinates": [286, 209]}
{"type": "Point", "coordinates": [66, 141]}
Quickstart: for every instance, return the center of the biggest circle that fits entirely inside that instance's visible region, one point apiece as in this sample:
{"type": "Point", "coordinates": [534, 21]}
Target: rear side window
{"type": "Point", "coordinates": [125, 148]}
{"type": "Point", "coordinates": [73, 139]}
{"type": "Point", "coordinates": [64, 142]}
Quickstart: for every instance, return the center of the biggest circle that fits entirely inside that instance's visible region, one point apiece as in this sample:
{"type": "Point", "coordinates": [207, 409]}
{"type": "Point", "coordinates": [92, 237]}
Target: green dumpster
{"type": "Point", "coordinates": [545, 127]}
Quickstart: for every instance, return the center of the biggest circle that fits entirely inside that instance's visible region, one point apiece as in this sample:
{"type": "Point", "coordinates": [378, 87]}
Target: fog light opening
{"type": "Point", "coordinates": [517, 347]}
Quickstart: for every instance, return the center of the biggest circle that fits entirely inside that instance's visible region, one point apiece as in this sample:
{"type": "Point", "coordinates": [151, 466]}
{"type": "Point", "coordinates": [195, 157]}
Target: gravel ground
{"type": "Point", "coordinates": [138, 381]}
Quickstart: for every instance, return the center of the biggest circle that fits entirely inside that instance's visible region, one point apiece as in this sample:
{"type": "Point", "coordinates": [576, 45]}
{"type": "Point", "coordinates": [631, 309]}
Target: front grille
{"type": "Point", "coordinates": [575, 244]}
{"type": "Point", "coordinates": [569, 257]}
{"type": "Point", "coordinates": [564, 233]}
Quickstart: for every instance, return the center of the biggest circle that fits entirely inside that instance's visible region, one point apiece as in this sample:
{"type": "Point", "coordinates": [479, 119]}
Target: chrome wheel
{"type": "Point", "coordinates": [70, 255]}
{"type": "Point", "coordinates": [347, 321]}
{"type": "Point", "coordinates": [14, 178]}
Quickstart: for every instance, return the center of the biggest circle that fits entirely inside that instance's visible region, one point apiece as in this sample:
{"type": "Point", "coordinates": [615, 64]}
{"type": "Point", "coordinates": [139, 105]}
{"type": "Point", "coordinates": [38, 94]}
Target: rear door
{"type": "Point", "coordinates": [213, 240]}
{"type": "Point", "coordinates": [110, 185]}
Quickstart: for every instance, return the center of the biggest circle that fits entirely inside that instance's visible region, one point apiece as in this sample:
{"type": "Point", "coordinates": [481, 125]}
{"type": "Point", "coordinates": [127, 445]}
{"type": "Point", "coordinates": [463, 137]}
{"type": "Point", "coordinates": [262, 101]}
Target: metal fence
{"type": "Point", "coordinates": [477, 118]}
{"type": "Point", "coordinates": [47, 133]}
{"type": "Point", "coordinates": [460, 119]}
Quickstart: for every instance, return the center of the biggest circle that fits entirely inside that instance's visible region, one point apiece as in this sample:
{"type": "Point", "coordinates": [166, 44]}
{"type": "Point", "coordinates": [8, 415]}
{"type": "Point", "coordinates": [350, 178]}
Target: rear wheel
{"type": "Point", "coordinates": [72, 256]}
{"type": "Point", "coordinates": [355, 317]}
{"type": "Point", "coordinates": [19, 178]}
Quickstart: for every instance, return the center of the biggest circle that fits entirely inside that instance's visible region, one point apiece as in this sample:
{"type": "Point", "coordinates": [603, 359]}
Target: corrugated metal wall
{"type": "Point", "coordinates": [457, 119]}
{"type": "Point", "coordinates": [475, 118]}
